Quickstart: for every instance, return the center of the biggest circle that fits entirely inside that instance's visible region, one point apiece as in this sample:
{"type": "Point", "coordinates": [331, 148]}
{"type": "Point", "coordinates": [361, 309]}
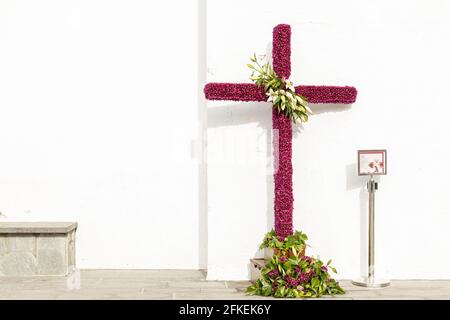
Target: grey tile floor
{"type": "Point", "coordinates": [184, 284]}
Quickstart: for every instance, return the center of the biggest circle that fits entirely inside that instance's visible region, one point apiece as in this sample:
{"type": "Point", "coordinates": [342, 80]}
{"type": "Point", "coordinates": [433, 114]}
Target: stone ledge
{"type": "Point", "coordinates": [37, 248]}
{"type": "Point", "coordinates": [37, 227]}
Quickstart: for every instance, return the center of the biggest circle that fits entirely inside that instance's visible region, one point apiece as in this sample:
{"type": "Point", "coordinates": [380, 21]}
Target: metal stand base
{"type": "Point", "coordinates": [371, 282]}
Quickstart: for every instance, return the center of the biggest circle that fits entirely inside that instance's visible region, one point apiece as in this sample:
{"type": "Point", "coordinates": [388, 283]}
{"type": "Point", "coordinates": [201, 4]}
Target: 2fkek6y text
{"type": "Point", "coordinates": [225, 310]}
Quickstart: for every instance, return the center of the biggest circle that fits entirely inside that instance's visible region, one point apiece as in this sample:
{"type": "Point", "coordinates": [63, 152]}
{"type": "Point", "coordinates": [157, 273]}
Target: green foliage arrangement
{"type": "Point", "coordinates": [281, 92]}
{"type": "Point", "coordinates": [294, 243]}
{"type": "Point", "coordinates": [294, 276]}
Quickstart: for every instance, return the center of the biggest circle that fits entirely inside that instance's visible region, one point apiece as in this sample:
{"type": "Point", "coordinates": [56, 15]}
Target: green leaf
{"type": "Point", "coordinates": [277, 100]}
{"type": "Point", "coordinates": [303, 117]}
{"type": "Point", "coordinates": [300, 99]}
{"type": "Point", "coordinates": [287, 265]}
{"type": "Point", "coordinates": [315, 282]}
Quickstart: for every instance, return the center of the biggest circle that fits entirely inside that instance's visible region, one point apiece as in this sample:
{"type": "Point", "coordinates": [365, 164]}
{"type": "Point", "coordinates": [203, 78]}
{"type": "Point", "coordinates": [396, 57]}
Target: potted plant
{"type": "Point", "coordinates": [289, 273]}
{"type": "Point", "coordinates": [293, 246]}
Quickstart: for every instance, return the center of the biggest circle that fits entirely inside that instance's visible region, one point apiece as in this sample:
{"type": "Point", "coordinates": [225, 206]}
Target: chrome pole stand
{"type": "Point", "coordinates": [371, 281]}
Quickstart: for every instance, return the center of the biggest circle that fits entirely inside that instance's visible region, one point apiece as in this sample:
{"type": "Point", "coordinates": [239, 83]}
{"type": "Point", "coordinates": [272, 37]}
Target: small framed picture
{"type": "Point", "coordinates": [371, 162]}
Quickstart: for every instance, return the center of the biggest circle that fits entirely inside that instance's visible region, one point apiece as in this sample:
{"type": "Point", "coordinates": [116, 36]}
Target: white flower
{"type": "Point", "coordinates": [300, 100]}
{"type": "Point", "coordinates": [289, 85]}
{"type": "Point", "coordinates": [308, 109]}
{"type": "Point", "coordinates": [271, 94]}
{"type": "Point", "coordinates": [291, 97]}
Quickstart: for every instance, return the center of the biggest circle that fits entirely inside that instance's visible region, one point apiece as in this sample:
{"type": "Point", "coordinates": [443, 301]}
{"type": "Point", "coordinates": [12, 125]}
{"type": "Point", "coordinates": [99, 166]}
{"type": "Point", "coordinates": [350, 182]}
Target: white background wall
{"type": "Point", "coordinates": [85, 87]}
{"type": "Point", "coordinates": [396, 54]}
{"type": "Point", "coordinates": [85, 90]}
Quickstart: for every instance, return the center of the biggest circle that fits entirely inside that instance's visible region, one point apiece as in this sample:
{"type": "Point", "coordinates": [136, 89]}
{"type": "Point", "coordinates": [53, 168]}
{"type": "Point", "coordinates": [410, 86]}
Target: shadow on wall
{"type": "Point", "coordinates": [329, 108]}
{"type": "Point", "coordinates": [244, 113]}
{"type": "Point", "coordinates": [201, 112]}
{"type": "Point", "coordinates": [359, 182]}
{"type": "Point", "coordinates": [318, 109]}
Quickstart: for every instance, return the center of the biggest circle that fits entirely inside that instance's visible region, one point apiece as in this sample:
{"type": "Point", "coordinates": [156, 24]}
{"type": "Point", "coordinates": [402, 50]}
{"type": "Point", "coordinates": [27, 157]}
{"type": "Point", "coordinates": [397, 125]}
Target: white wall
{"type": "Point", "coordinates": [396, 54]}
{"type": "Point", "coordinates": [86, 87]}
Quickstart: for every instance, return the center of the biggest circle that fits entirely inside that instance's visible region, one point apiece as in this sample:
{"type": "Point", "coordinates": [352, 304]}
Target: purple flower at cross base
{"type": "Point", "coordinates": [274, 286]}
{"type": "Point", "coordinates": [324, 269]}
{"type": "Point", "coordinates": [291, 282]}
{"type": "Point", "coordinates": [297, 270]}
{"type": "Point", "coordinates": [302, 277]}
{"type": "Point", "coordinates": [308, 259]}
{"type": "Point", "coordinates": [283, 259]}
{"type": "Point", "coordinates": [273, 273]}
{"type": "Point", "coordinates": [306, 277]}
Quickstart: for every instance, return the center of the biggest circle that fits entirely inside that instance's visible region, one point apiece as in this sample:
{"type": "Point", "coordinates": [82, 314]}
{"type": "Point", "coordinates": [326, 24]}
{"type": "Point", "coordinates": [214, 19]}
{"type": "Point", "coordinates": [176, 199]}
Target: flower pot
{"type": "Point", "coordinates": [269, 252]}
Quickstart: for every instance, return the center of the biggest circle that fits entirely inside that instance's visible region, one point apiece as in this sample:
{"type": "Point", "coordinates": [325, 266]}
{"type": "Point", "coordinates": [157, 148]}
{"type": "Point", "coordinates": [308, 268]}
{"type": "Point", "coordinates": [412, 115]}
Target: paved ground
{"type": "Point", "coordinates": [183, 284]}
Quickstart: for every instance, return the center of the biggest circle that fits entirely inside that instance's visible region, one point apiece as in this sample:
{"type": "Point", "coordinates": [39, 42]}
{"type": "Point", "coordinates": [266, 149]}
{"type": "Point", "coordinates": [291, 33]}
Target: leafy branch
{"type": "Point", "coordinates": [281, 92]}
{"type": "Point", "coordinates": [295, 242]}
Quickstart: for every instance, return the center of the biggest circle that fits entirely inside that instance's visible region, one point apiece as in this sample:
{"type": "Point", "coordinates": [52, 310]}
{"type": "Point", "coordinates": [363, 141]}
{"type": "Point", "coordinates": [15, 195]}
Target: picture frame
{"type": "Point", "coordinates": [372, 162]}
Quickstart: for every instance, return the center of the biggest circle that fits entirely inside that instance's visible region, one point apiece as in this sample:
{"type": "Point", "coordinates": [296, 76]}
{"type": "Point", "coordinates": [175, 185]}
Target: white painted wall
{"type": "Point", "coordinates": [85, 90]}
{"type": "Point", "coordinates": [396, 54]}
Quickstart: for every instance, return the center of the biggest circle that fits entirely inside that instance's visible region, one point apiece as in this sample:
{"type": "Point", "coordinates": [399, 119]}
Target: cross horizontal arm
{"type": "Point", "coordinates": [234, 92]}
{"type": "Point", "coordinates": [251, 92]}
{"type": "Point", "coordinates": [328, 94]}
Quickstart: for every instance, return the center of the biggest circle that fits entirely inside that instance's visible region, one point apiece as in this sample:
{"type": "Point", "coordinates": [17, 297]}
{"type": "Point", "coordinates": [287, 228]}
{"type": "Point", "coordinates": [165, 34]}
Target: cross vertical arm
{"type": "Point", "coordinates": [281, 50]}
{"type": "Point", "coordinates": [282, 144]}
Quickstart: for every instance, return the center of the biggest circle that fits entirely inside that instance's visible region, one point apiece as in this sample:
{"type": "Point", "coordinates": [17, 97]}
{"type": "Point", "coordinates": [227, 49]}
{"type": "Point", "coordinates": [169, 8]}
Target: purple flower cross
{"type": "Point", "coordinates": [284, 199]}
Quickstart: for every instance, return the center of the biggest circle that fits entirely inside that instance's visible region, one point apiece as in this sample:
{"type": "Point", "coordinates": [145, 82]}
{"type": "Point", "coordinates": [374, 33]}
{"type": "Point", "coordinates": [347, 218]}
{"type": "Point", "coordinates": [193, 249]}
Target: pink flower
{"type": "Point", "coordinates": [274, 286]}
{"type": "Point", "coordinates": [291, 282]}
{"type": "Point", "coordinates": [273, 273]}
